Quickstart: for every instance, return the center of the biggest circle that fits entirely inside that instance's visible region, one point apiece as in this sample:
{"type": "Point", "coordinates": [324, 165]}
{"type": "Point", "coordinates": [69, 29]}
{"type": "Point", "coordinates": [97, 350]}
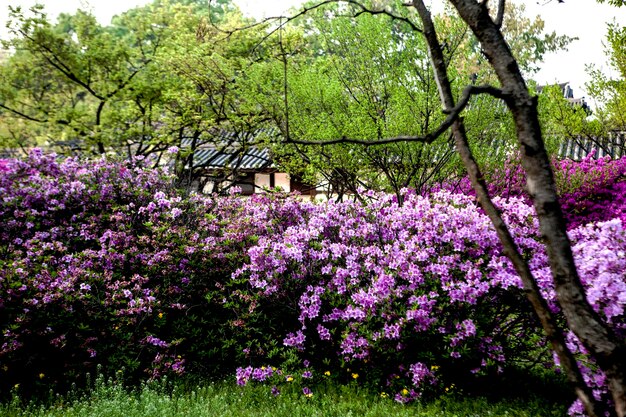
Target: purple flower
{"type": "Point", "coordinates": [420, 373]}
{"type": "Point", "coordinates": [156, 342]}
{"type": "Point", "coordinates": [295, 340]}
{"type": "Point", "coordinates": [323, 332]}
{"type": "Point", "coordinates": [243, 375]}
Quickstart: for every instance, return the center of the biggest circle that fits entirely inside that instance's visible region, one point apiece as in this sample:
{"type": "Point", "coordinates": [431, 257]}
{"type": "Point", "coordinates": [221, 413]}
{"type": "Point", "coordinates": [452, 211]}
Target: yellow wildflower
{"type": "Point", "coordinates": [405, 391]}
{"type": "Point", "coordinates": [41, 375]}
{"type": "Point", "coordinates": [434, 368]}
{"type": "Point", "coordinates": [383, 395]}
{"type": "Point", "coordinates": [289, 378]}
{"type": "Point", "coordinates": [355, 376]}
{"type": "Point", "coordinates": [327, 373]}
{"type": "Point", "coordinates": [160, 315]}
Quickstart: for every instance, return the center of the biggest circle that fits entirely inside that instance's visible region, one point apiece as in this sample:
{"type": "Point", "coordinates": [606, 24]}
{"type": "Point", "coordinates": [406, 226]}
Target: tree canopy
{"type": "Point", "coordinates": [175, 73]}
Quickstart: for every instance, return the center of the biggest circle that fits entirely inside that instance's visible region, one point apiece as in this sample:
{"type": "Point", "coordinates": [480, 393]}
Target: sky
{"type": "Point", "coordinates": [584, 19]}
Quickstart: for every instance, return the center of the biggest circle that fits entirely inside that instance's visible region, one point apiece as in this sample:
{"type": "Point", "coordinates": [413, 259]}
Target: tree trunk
{"type": "Point", "coordinates": [548, 322]}
{"type": "Point", "coordinates": [606, 348]}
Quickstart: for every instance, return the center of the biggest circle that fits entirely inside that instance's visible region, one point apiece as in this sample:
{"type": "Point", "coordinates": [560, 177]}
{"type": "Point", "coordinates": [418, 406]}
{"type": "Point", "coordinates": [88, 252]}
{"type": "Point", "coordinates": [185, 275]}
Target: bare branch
{"type": "Point", "coordinates": [306, 9]}
{"type": "Point", "coordinates": [127, 81]}
{"type": "Point", "coordinates": [285, 85]}
{"type": "Point", "coordinates": [453, 115]}
{"type": "Point", "coordinates": [500, 14]}
{"type": "Point", "coordinates": [23, 115]}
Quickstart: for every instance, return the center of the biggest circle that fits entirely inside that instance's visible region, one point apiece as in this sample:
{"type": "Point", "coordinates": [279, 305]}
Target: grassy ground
{"type": "Point", "coordinates": [226, 399]}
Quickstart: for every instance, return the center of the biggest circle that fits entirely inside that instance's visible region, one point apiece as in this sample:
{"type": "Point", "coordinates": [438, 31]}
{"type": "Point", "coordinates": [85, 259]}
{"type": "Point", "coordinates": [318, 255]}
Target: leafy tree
{"type": "Point", "coordinates": [368, 78]}
{"type": "Point", "coordinates": [160, 75]}
{"type": "Point", "coordinates": [611, 92]}
{"type": "Point", "coordinates": [66, 76]}
{"type": "Point", "coordinates": [562, 119]}
{"type": "Point", "coordinates": [209, 68]}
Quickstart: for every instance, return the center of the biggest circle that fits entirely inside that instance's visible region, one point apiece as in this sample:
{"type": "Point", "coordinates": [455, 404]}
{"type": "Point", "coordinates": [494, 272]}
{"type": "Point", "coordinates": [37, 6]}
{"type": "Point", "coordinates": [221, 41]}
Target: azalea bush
{"type": "Point", "coordinates": [415, 296]}
{"type": "Point", "coordinates": [106, 263]}
{"type": "Point", "coordinates": [600, 255]}
{"type": "Point", "coordinates": [591, 190]}
{"type": "Point", "coordinates": [419, 297]}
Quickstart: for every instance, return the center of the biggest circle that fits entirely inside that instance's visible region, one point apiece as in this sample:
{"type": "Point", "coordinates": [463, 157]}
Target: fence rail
{"type": "Point", "coordinates": [576, 149]}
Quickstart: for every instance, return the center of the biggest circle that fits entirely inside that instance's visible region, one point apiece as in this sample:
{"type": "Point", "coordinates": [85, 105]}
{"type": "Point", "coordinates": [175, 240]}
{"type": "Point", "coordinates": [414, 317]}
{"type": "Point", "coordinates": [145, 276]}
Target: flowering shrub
{"type": "Point", "coordinates": [105, 263]}
{"type": "Point", "coordinates": [591, 190]}
{"type": "Point", "coordinates": [396, 291]}
{"type": "Point", "coordinates": [600, 254]}
{"type": "Point", "coordinates": [419, 295]}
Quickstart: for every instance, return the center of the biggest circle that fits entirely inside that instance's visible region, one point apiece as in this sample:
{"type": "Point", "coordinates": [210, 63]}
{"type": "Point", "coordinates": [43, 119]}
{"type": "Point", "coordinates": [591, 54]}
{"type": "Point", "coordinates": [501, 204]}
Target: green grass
{"type": "Point", "coordinates": [109, 399]}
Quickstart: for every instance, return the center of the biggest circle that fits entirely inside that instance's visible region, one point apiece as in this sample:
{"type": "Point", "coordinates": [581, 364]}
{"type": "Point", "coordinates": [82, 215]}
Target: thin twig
{"type": "Point", "coordinates": [306, 9]}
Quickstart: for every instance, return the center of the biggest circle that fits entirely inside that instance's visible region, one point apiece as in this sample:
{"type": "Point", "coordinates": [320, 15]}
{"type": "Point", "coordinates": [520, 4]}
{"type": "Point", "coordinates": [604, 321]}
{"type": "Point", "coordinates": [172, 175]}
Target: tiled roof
{"type": "Point", "coordinates": [252, 158]}
{"type": "Point", "coordinates": [565, 89]}
{"type": "Point", "coordinates": [231, 150]}
{"type": "Point", "coordinates": [224, 138]}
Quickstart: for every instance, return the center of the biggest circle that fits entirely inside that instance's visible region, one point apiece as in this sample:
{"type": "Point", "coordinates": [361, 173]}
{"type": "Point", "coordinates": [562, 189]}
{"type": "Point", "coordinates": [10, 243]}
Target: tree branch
{"type": "Point", "coordinates": [57, 63]}
{"type": "Point", "coordinates": [453, 115]}
{"type": "Point", "coordinates": [531, 288]}
{"type": "Point", "coordinates": [500, 14]}
{"type": "Point", "coordinates": [306, 9]}
{"type": "Point", "coordinates": [23, 115]}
